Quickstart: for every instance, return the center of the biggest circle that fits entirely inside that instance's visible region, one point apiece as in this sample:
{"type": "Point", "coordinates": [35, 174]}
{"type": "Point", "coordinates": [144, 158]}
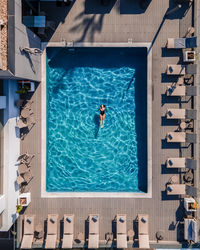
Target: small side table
{"type": "Point", "coordinates": [189, 56]}
{"type": "Point", "coordinates": [188, 177]}
{"type": "Point", "coordinates": [80, 238]}
{"type": "Point", "coordinates": [183, 125]}
{"type": "Point", "coordinates": [131, 234]}
{"type": "Point", "coordinates": [160, 235]}
{"type": "Point", "coordinates": [39, 232]}
{"type": "Point", "coordinates": [109, 237]}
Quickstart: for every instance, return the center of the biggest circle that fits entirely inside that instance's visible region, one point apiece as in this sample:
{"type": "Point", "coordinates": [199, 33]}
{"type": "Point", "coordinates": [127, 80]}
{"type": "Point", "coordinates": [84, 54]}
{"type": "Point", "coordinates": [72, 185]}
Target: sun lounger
{"type": "Point", "coordinates": [121, 231]}
{"type": "Point", "coordinates": [181, 163]}
{"type": "Point", "coordinates": [178, 69]}
{"type": "Point", "coordinates": [176, 137]}
{"type": "Point", "coordinates": [52, 227]}
{"type": "Point", "coordinates": [181, 189]}
{"type": "Point", "coordinates": [143, 230]}
{"type": "Point", "coordinates": [175, 69]}
{"type": "Point", "coordinates": [176, 189]}
{"type": "Point", "coordinates": [27, 239]}
{"type": "Point", "coordinates": [181, 43]}
{"type": "Point", "coordinates": [175, 114]}
{"type": "Point", "coordinates": [27, 160]}
{"type": "Point", "coordinates": [181, 91]}
{"type": "Point", "coordinates": [181, 137]}
{"type": "Point", "coordinates": [93, 239]}
{"type": "Point", "coordinates": [181, 114]}
{"type": "Point", "coordinates": [190, 230]}
{"type": "Point", "coordinates": [68, 233]}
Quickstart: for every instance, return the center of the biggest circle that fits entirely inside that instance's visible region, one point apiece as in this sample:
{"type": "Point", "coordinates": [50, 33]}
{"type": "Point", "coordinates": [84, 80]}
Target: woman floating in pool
{"type": "Point", "coordinates": [102, 109]}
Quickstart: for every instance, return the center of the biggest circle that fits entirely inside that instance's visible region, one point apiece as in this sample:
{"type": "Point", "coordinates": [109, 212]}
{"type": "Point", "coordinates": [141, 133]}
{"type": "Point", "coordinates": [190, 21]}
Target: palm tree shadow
{"type": "Point", "coordinates": [97, 125]}
{"type": "Point", "coordinates": [89, 25]}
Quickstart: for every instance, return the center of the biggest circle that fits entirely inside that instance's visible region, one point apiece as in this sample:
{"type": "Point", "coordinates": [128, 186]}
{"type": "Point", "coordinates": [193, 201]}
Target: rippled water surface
{"type": "Point", "coordinates": [82, 156]}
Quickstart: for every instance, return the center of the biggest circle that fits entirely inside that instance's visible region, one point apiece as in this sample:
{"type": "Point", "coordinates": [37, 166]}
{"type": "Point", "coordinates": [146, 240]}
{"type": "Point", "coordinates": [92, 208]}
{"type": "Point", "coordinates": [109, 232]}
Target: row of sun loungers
{"type": "Point", "coordinates": [179, 89]}
{"type": "Point", "coordinates": [93, 238]}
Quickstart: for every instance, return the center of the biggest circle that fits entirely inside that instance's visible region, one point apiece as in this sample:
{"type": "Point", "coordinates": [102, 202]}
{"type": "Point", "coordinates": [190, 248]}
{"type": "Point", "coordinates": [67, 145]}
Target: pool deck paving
{"type": "Point", "coordinates": [88, 21]}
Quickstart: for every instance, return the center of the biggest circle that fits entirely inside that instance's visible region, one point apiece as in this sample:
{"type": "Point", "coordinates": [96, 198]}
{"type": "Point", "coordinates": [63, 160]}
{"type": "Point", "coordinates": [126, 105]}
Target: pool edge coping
{"type": "Point", "coordinates": [44, 193]}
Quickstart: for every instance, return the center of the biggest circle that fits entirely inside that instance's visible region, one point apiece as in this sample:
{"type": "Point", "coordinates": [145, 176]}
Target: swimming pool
{"type": "Point", "coordinates": [80, 156]}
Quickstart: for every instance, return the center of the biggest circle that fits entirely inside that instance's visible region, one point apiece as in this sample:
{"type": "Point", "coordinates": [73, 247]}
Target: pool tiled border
{"type": "Point", "coordinates": [44, 193]}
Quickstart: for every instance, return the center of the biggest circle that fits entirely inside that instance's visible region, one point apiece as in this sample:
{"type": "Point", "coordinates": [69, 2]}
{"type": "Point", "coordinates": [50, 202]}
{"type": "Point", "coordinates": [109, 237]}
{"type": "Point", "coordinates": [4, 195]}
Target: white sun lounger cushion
{"type": "Point", "coordinates": [176, 114]}
{"type": "Point", "coordinates": [93, 241]}
{"type": "Point", "coordinates": [176, 162]}
{"type": "Point", "coordinates": [121, 240]}
{"type": "Point", "coordinates": [144, 241]}
{"type": "Point", "coordinates": [67, 241]}
{"type": "Point", "coordinates": [27, 241]}
{"type": "Point", "coordinates": [51, 241]}
{"type": "Point", "coordinates": [176, 189]}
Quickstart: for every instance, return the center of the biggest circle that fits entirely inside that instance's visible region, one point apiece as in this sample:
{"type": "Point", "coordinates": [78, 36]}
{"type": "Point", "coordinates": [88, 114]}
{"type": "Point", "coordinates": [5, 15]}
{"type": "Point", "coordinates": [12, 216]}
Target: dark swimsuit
{"type": "Point", "coordinates": [102, 112]}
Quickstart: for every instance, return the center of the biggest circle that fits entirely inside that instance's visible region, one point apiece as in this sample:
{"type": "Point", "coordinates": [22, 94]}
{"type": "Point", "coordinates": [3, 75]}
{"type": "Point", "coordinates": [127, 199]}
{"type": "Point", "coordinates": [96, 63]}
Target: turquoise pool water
{"type": "Point", "coordinates": [82, 156]}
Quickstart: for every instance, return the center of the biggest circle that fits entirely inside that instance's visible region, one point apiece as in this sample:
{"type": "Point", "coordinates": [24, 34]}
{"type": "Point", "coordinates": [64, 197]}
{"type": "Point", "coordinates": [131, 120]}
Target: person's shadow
{"type": "Point", "coordinates": [97, 125]}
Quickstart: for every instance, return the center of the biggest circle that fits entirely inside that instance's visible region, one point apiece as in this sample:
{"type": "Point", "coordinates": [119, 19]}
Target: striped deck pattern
{"type": "Point", "coordinates": [88, 21]}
